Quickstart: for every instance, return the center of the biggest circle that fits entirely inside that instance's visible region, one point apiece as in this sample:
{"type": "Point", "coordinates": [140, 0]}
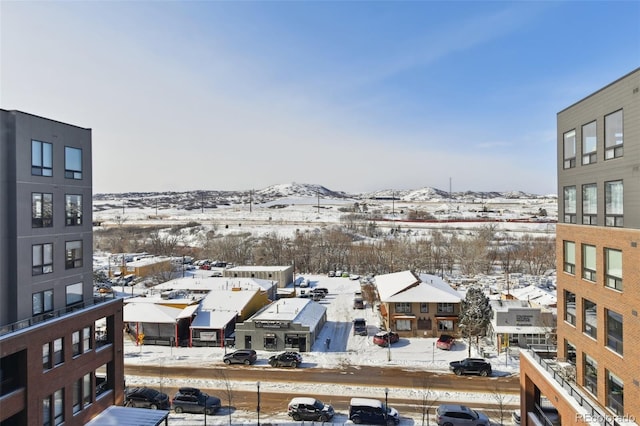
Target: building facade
{"type": "Point", "coordinates": [60, 350]}
{"type": "Point", "coordinates": [593, 376]}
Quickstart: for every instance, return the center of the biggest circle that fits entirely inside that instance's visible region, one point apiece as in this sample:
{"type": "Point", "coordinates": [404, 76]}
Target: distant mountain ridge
{"type": "Point", "coordinates": [210, 198]}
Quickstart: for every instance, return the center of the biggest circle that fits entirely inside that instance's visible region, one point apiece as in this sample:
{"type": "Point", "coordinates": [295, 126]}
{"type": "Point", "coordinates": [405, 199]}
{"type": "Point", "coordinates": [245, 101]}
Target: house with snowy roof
{"type": "Point", "coordinates": [286, 324]}
{"type": "Point", "coordinates": [418, 306]}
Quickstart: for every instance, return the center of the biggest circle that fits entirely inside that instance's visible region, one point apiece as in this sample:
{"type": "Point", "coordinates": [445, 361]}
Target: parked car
{"type": "Point", "coordinates": [372, 411]}
{"type": "Point", "coordinates": [286, 359]}
{"type": "Point", "coordinates": [382, 338]}
{"type": "Point", "coordinates": [193, 400]}
{"type": "Point", "coordinates": [304, 283]}
{"type": "Point", "coordinates": [358, 303]}
{"type": "Point", "coordinates": [143, 397]}
{"type": "Point", "coordinates": [360, 327]}
{"type": "Point", "coordinates": [445, 342]}
{"type": "Point", "coordinates": [304, 408]}
{"type": "Point", "coordinates": [241, 356]}
{"type": "Point", "coordinates": [471, 366]}
{"type": "Point", "coordinates": [319, 291]}
{"type": "Point", "coordinates": [460, 415]}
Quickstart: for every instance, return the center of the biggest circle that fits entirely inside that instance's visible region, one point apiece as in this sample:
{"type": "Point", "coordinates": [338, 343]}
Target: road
{"type": "Point", "coordinates": [376, 379]}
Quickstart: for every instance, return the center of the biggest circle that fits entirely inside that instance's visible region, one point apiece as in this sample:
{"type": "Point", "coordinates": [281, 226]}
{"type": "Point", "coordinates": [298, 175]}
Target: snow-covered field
{"type": "Point", "coordinates": [411, 353]}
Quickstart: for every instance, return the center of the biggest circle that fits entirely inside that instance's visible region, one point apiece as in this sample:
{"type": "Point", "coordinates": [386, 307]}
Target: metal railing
{"type": "Point", "coordinates": [574, 392]}
{"type": "Point", "coordinates": [47, 316]}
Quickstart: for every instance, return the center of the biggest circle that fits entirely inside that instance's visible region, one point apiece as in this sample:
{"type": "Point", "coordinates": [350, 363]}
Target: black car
{"type": "Point", "coordinates": [241, 356]}
{"type": "Point", "coordinates": [193, 400]}
{"type": "Point", "coordinates": [286, 359]}
{"type": "Point", "coordinates": [471, 366]}
{"type": "Point", "coordinates": [143, 397]}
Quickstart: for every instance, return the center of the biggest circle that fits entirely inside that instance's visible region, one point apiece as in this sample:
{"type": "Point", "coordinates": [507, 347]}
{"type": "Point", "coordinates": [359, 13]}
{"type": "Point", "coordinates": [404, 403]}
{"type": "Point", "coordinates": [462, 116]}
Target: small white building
{"type": "Point", "coordinates": [519, 323]}
{"type": "Point", "coordinates": [287, 324]}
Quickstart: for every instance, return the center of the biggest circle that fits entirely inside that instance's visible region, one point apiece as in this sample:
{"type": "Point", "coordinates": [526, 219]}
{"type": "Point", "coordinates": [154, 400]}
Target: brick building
{"type": "Point", "coordinates": [60, 350]}
{"type": "Point", "coordinates": [593, 376]}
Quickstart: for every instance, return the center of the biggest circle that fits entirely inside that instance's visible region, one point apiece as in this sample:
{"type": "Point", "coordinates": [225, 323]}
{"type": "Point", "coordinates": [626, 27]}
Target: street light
{"type": "Point", "coordinates": [258, 407]}
{"type": "Point", "coordinates": [386, 406]}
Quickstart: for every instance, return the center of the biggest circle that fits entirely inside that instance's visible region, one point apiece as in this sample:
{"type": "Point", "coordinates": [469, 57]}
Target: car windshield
{"type": "Point", "coordinates": [318, 404]}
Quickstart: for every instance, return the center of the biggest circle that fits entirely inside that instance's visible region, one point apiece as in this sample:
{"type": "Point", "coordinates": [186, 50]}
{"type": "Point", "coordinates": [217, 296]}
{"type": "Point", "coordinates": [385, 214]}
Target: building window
{"type": "Point", "coordinates": [73, 210]}
{"type": "Point", "coordinates": [86, 389]}
{"type": "Point", "coordinates": [589, 143]}
{"type": "Point", "coordinates": [445, 325]}
{"type": "Point", "coordinates": [569, 204]}
{"type": "Point", "coordinates": [570, 352]}
{"type": "Point", "coordinates": [72, 163]}
{"type": "Point", "coordinates": [613, 268]}
{"type": "Point", "coordinates": [75, 343]}
{"type": "Point", "coordinates": [569, 149]}
{"type": "Point", "coordinates": [570, 257]}
{"type": "Point", "coordinates": [615, 393]}
{"type": "Point", "coordinates": [614, 204]}
{"type": "Point", "coordinates": [46, 356]}
{"type": "Point", "coordinates": [590, 374]}
{"type": "Point", "coordinates": [424, 308]}
{"type": "Point", "coordinates": [77, 396]}
{"type": "Point", "coordinates": [42, 302]}
{"type": "Point", "coordinates": [58, 407]}
{"type": "Point", "coordinates": [589, 204]}
{"type": "Point", "coordinates": [86, 339]}
{"type": "Point", "coordinates": [590, 318]}
{"type": "Point", "coordinates": [58, 354]}
{"type": "Point", "coordinates": [41, 210]}
{"type": "Point", "coordinates": [42, 259]}
{"type": "Point", "coordinates": [41, 158]}
{"type": "Point", "coordinates": [403, 325]}
{"type": "Point", "coordinates": [614, 331]}
{"type": "Point", "coordinates": [570, 307]}
{"type": "Point", "coordinates": [73, 256]}
{"type": "Point", "coordinates": [589, 262]}
{"type": "Point", "coordinates": [445, 308]}
{"type": "Point", "coordinates": [403, 308]}
{"type": "Point", "coordinates": [613, 135]}
{"type": "Point", "coordinates": [46, 411]}
{"type": "Point", "coordinates": [74, 293]}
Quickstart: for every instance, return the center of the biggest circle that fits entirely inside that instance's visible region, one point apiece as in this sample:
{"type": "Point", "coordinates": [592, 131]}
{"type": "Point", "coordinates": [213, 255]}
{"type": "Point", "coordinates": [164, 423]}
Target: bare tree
{"type": "Point", "coordinates": [428, 398]}
{"type": "Point", "coordinates": [227, 390]}
{"type": "Point", "coordinates": [501, 403]}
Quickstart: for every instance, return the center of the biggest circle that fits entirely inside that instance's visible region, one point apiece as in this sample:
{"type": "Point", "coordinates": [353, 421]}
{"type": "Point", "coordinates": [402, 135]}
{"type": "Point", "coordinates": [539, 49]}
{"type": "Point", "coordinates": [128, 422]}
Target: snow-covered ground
{"type": "Point", "coordinates": [411, 353]}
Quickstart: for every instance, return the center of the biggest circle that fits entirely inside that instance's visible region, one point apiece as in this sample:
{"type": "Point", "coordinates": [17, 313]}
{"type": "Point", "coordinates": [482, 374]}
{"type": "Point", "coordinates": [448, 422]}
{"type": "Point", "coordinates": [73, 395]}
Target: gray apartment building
{"type": "Point", "coordinates": [60, 351]}
{"type": "Point", "coordinates": [593, 376]}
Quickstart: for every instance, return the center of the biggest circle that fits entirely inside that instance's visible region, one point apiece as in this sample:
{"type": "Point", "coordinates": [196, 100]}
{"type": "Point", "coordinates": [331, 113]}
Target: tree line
{"type": "Point", "coordinates": [356, 246]}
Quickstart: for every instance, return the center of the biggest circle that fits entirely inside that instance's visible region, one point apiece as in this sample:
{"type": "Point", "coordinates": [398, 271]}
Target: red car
{"type": "Point", "coordinates": [383, 338]}
{"type": "Point", "coordinates": [445, 342]}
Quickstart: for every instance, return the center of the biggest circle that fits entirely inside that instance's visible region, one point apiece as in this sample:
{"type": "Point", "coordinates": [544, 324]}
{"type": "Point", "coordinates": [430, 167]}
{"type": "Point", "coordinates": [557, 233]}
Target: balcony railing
{"type": "Point", "coordinates": [549, 363]}
{"type": "Point", "coordinates": [47, 316]}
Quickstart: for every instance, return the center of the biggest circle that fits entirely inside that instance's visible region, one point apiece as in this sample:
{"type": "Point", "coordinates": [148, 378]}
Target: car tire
{"type": "Point", "coordinates": [391, 422]}
{"type": "Point", "coordinates": [296, 417]}
{"type": "Point", "coordinates": [153, 407]}
{"type": "Point", "coordinates": [227, 361]}
{"type": "Point", "coordinates": [447, 424]}
{"type": "Point", "coordinates": [323, 418]}
{"type": "Point", "coordinates": [210, 411]}
{"type": "Point", "coordinates": [247, 362]}
{"type": "Point", "coordinates": [294, 365]}
{"type": "Point", "coordinates": [458, 372]}
{"type": "Point", "coordinates": [484, 373]}
{"type": "Point", "coordinates": [178, 410]}
{"type": "Point", "coordinates": [356, 419]}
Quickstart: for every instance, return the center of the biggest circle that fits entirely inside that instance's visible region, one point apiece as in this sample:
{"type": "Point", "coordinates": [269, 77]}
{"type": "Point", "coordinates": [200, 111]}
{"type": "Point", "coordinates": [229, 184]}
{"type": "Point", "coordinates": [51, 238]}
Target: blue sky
{"type": "Point", "coordinates": [353, 95]}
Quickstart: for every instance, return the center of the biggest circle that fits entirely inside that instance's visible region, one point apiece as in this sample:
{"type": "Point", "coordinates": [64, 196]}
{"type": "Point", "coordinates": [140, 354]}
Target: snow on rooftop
{"type": "Point", "coordinates": [294, 309]}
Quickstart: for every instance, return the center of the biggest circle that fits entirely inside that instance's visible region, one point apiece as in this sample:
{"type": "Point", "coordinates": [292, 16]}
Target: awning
{"type": "Point", "coordinates": [409, 317]}
{"type": "Point", "coordinates": [129, 416]}
{"type": "Point", "coordinates": [188, 311]}
{"type": "Point", "coordinates": [446, 318]}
